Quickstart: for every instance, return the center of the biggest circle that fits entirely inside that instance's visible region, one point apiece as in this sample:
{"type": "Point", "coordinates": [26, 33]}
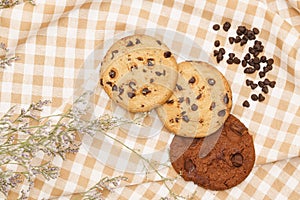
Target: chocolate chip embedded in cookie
{"type": "Point", "coordinates": [201, 101]}
{"type": "Point", "coordinates": [224, 166]}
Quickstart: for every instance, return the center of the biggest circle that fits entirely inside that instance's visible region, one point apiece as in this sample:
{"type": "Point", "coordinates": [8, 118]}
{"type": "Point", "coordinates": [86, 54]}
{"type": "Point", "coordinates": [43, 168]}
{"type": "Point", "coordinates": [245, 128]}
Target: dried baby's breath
{"type": "Point", "coordinates": [11, 3]}
{"type": "Point", "coordinates": [6, 60]}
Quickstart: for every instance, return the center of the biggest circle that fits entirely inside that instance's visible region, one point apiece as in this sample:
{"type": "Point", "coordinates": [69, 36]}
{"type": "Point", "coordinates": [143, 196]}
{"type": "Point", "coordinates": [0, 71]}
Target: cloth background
{"type": "Point", "coordinates": [54, 38]}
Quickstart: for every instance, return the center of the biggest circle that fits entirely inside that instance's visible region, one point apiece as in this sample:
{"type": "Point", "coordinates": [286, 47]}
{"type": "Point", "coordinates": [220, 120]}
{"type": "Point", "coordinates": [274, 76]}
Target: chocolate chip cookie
{"type": "Point", "coordinates": [217, 162]}
{"type": "Point", "coordinates": [201, 101]}
{"type": "Point", "coordinates": [141, 75]}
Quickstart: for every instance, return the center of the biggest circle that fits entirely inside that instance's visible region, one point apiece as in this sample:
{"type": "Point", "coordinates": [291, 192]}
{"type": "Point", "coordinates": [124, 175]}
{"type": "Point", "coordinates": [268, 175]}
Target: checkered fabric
{"type": "Point", "coordinates": [61, 43]}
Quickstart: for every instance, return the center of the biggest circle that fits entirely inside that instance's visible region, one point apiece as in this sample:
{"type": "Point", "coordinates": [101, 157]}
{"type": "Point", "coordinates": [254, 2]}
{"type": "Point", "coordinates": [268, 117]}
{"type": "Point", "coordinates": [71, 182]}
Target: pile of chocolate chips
{"type": "Point", "coordinates": [252, 61]}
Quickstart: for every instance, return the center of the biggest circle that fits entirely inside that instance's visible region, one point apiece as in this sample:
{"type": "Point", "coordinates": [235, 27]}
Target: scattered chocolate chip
{"type": "Point", "coordinates": [137, 41]}
{"type": "Point", "coordinates": [253, 86]}
{"type": "Point", "coordinates": [243, 42]}
{"type": "Point", "coordinates": [237, 160]}
{"type": "Point", "coordinates": [129, 44]}
{"type": "Point", "coordinates": [189, 166]}
{"type": "Point", "coordinates": [247, 56]}
{"type": "Point", "coordinates": [261, 98]}
{"type": "Point", "coordinates": [255, 31]}
{"type": "Point", "coordinates": [216, 27]}
{"type": "Point", "coordinates": [170, 101]}
{"type": "Point", "coordinates": [238, 39]}
{"type": "Point", "coordinates": [254, 97]}
{"type": "Point", "coordinates": [219, 58]}
{"type": "Point", "coordinates": [113, 53]}
{"type": "Point", "coordinates": [194, 107]}
{"type": "Point", "coordinates": [185, 118]}
{"type": "Point", "coordinates": [248, 82]}
{"type": "Point", "coordinates": [222, 51]}
{"type": "Point", "coordinates": [226, 26]}
{"type": "Point", "coordinates": [229, 61]}
{"type": "Point", "coordinates": [236, 60]}
{"type": "Point", "coordinates": [263, 59]}
{"type": "Point", "coordinates": [109, 83]}
{"type": "Point", "coordinates": [272, 84]}
{"type": "Point", "coordinates": [131, 95]}
{"type": "Point", "coordinates": [270, 61]}
{"type": "Point", "coordinates": [158, 73]}
{"type": "Point", "coordinates": [216, 52]}
{"type": "Point", "coordinates": [226, 99]}
{"type": "Point", "coordinates": [221, 113]}
{"type": "Point", "coordinates": [231, 55]}
{"type": "Point", "coordinates": [211, 81]}
{"type": "Point", "coordinates": [244, 63]}
{"type": "Point", "coordinates": [265, 89]}
{"type": "Point", "coordinates": [249, 70]}
{"type": "Point", "coordinates": [192, 80]}
{"type": "Point", "coordinates": [256, 60]}
{"type": "Point", "coordinates": [256, 66]}
{"type": "Point", "coordinates": [217, 43]}
{"type": "Point", "coordinates": [231, 40]}
{"type": "Point", "coordinates": [242, 29]}
{"type": "Point", "coordinates": [112, 74]}
{"type": "Point", "coordinates": [158, 42]}
{"type": "Point", "coordinates": [267, 81]}
{"type": "Point", "coordinates": [239, 32]}
{"type": "Point", "coordinates": [167, 54]}
{"type": "Point", "coordinates": [246, 104]}
{"type": "Point", "coordinates": [261, 74]}
{"type": "Point", "coordinates": [101, 82]}
{"type": "Point", "coordinates": [261, 84]}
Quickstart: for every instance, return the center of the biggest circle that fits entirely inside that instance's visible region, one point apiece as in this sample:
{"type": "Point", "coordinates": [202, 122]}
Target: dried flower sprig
{"type": "Point", "coordinates": [4, 59]}
{"type": "Point", "coordinates": [12, 3]}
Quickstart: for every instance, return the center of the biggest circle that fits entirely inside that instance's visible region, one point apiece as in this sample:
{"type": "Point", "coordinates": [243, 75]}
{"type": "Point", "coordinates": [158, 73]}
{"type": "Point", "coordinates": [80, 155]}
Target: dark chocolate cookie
{"type": "Point", "coordinates": [217, 162]}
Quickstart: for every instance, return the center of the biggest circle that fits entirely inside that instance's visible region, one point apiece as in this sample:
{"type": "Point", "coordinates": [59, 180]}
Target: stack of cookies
{"type": "Point", "coordinates": [193, 99]}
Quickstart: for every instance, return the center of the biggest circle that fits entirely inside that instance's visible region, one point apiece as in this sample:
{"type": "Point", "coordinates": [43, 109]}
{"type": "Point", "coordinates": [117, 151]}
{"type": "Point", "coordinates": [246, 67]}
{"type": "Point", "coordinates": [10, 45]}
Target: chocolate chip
{"type": "Point", "coordinates": [229, 61]}
{"type": "Point", "coordinates": [137, 41]}
{"type": "Point", "coordinates": [222, 51]}
{"type": "Point", "coordinates": [158, 42]}
{"type": "Point", "coordinates": [140, 59]}
{"type": "Point", "coordinates": [221, 113]}
{"type": "Point", "coordinates": [247, 56]}
{"type": "Point", "coordinates": [170, 101]}
{"type": "Point", "coordinates": [263, 59]}
{"type": "Point", "coordinates": [216, 52]}
{"type": "Point", "coordinates": [237, 160]}
{"type": "Point", "coordinates": [121, 91]}
{"type": "Point", "coordinates": [270, 61]}
{"type": "Point", "coordinates": [238, 39]}
{"type": "Point", "coordinates": [272, 84]}
{"type": "Point", "coordinates": [113, 54]}
{"type": "Point", "coordinates": [212, 105]}
{"type": "Point", "coordinates": [199, 96]}
{"type": "Point", "coordinates": [146, 91]}
{"type": "Point", "coordinates": [256, 60]}
{"type": "Point", "coordinates": [253, 86]}
{"type": "Point", "coordinates": [231, 40]}
{"type": "Point", "coordinates": [150, 62]}
{"type": "Point", "coordinates": [131, 95]}
{"type": "Point", "coordinates": [189, 166]}
{"type": "Point", "coordinates": [211, 81]}
{"type": "Point", "coordinates": [226, 26]}
{"type": "Point", "coordinates": [158, 73]}
{"type": "Point", "coordinates": [151, 80]}
{"type": "Point", "coordinates": [112, 74]}
{"type": "Point", "coordinates": [251, 50]}
{"type": "Point", "coordinates": [261, 84]}
{"type": "Point", "coordinates": [188, 101]}
{"type": "Point", "coordinates": [239, 32]}
{"type": "Point", "coordinates": [243, 42]}
{"type": "Point", "coordinates": [236, 60]}
{"type": "Point", "coordinates": [219, 58]}
{"type": "Point", "coordinates": [267, 81]}
{"type": "Point", "coordinates": [114, 88]}
{"type": "Point", "coordinates": [192, 80]}
{"type": "Point", "coordinates": [217, 43]}
{"type": "Point", "coordinates": [226, 99]}
{"type": "Point", "coordinates": [180, 99]}
{"type": "Point", "coordinates": [261, 98]}
{"type": "Point", "coordinates": [246, 104]}
{"type": "Point", "coordinates": [242, 29]}
{"type": "Point", "coordinates": [109, 83]}
{"type": "Point", "coordinates": [231, 55]}
{"type": "Point", "coordinates": [255, 31]}
{"type": "Point", "coordinates": [216, 27]}
{"type": "Point", "coordinates": [265, 89]}
{"type": "Point", "coordinates": [254, 97]}
{"type": "Point", "coordinates": [249, 70]}
{"type": "Point", "coordinates": [256, 66]}
{"type": "Point", "coordinates": [261, 74]}
{"type": "Point", "coordinates": [185, 118]}
{"type": "Point", "coordinates": [194, 107]}
{"type": "Point", "coordinates": [167, 54]}
{"type": "Point", "coordinates": [129, 44]}
{"type": "Point", "coordinates": [179, 87]}
{"type": "Point", "coordinates": [244, 63]}
{"type": "Point", "coordinates": [101, 82]}
{"type": "Point", "coordinates": [248, 82]}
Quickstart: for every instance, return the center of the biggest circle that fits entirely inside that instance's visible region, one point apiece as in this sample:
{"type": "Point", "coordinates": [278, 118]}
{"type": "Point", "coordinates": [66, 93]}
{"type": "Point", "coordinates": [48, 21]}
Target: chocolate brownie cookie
{"type": "Point", "coordinates": [141, 78]}
{"type": "Point", "coordinates": [227, 162]}
{"type": "Point", "coordinates": [200, 103]}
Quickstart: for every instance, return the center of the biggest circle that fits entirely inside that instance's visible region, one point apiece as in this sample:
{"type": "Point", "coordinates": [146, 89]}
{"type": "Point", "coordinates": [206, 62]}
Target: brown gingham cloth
{"type": "Point", "coordinates": [55, 38]}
